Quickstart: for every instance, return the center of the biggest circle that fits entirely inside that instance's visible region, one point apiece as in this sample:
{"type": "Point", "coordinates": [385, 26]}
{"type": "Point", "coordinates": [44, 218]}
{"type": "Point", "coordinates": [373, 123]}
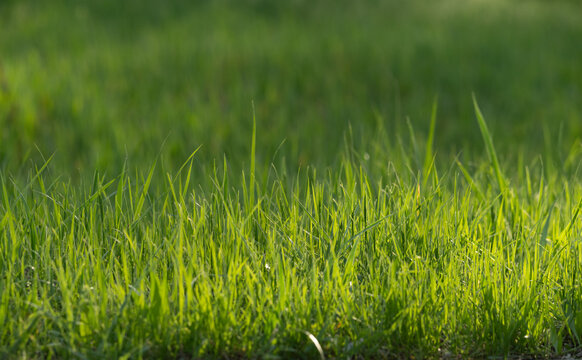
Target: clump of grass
{"type": "Point", "coordinates": [334, 265]}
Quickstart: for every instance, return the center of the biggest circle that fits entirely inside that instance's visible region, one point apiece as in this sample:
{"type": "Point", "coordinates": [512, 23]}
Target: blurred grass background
{"type": "Point", "coordinates": [102, 83]}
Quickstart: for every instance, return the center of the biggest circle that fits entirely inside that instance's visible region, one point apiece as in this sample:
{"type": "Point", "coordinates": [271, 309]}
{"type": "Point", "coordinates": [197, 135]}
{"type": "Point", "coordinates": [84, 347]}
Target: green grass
{"type": "Point", "coordinates": [356, 266]}
{"type": "Point", "coordinates": [261, 180]}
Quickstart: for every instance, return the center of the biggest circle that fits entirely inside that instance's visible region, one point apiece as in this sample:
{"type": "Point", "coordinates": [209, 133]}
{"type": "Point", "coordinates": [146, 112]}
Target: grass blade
{"type": "Point", "coordinates": [489, 146]}
{"type": "Point", "coordinates": [470, 180]}
{"type": "Point", "coordinates": [428, 157]}
{"type": "Point", "coordinates": [544, 235]}
{"type": "Point", "coordinates": [144, 191]}
{"type": "Point", "coordinates": [316, 343]}
{"type": "Point", "coordinates": [253, 159]}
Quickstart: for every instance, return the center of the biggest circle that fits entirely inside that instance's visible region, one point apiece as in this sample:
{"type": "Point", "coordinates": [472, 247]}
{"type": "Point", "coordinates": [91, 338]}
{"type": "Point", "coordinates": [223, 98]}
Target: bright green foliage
{"type": "Point", "coordinates": [260, 179]}
{"type": "Point", "coordinates": [340, 264]}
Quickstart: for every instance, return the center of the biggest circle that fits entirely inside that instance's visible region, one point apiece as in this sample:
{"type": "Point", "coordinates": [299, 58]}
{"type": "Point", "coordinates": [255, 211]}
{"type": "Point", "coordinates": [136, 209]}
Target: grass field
{"type": "Point", "coordinates": [260, 179]}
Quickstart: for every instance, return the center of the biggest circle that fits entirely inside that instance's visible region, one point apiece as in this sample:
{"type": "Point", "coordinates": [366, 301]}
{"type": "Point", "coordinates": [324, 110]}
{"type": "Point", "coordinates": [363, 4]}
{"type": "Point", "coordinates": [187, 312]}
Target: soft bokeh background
{"type": "Point", "coordinates": [103, 83]}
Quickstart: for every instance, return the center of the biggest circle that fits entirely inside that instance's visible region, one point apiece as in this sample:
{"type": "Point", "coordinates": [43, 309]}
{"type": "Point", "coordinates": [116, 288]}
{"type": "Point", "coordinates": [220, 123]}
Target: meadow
{"type": "Point", "coordinates": [260, 179]}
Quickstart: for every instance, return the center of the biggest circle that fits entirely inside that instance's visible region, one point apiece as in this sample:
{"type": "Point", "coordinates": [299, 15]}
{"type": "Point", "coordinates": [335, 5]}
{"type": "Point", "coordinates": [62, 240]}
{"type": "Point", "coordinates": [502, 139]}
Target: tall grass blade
{"type": "Point", "coordinates": [253, 159]}
{"type": "Point", "coordinates": [574, 217]}
{"type": "Point", "coordinates": [38, 173]}
{"type": "Point", "coordinates": [413, 143]}
{"type": "Point", "coordinates": [544, 235]}
{"type": "Point", "coordinates": [470, 180]}
{"type": "Point", "coordinates": [489, 146]}
{"type": "Point", "coordinates": [428, 156]}
{"type": "Point", "coordinates": [144, 192]}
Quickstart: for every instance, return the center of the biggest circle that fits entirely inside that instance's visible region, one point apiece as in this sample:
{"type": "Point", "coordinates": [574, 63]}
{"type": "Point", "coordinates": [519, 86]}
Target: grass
{"type": "Point", "coordinates": [253, 180]}
{"type": "Point", "coordinates": [128, 83]}
{"type": "Point", "coordinates": [339, 264]}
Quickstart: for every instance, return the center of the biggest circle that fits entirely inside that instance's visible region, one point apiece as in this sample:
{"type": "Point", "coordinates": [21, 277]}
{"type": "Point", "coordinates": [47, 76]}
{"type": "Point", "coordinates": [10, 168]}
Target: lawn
{"type": "Point", "coordinates": [255, 179]}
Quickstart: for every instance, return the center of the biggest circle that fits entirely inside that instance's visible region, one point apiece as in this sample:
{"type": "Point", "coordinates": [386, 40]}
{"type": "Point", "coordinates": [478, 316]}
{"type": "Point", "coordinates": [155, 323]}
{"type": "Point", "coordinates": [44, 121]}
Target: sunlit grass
{"type": "Point", "coordinates": [334, 264]}
{"type": "Point", "coordinates": [259, 179]}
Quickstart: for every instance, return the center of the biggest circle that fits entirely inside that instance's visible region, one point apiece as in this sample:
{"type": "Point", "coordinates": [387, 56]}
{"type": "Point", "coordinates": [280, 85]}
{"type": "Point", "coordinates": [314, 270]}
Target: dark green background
{"type": "Point", "coordinates": [101, 83]}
